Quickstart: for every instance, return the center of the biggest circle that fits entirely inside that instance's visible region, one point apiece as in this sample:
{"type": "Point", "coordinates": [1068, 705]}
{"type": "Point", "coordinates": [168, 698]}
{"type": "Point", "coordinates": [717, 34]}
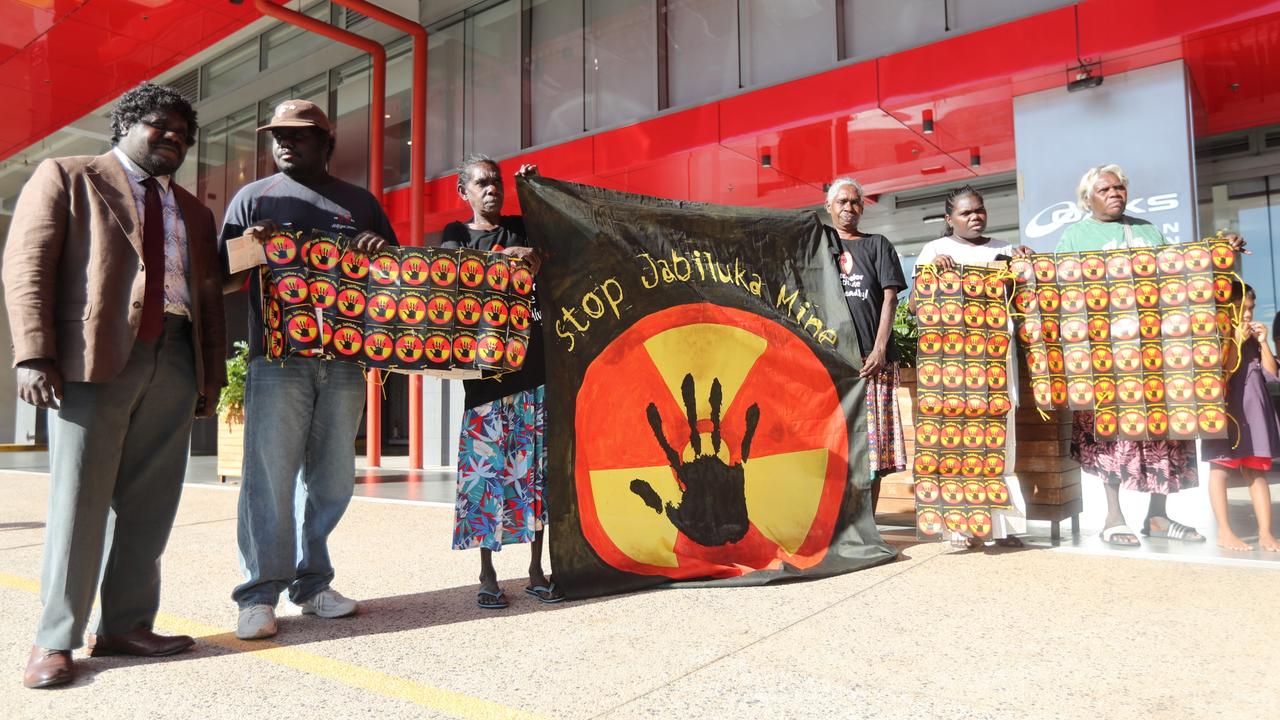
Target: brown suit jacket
{"type": "Point", "coordinates": [74, 278]}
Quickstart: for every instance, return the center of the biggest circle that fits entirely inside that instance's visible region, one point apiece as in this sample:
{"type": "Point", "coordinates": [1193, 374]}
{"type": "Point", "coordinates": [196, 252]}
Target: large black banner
{"type": "Point", "coordinates": [705, 414]}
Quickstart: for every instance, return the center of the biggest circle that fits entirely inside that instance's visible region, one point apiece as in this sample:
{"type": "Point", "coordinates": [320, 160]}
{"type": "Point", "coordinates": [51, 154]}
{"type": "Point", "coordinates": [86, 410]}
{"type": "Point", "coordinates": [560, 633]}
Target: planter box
{"type": "Point", "coordinates": [230, 447]}
{"type": "Point", "coordinates": [1047, 474]}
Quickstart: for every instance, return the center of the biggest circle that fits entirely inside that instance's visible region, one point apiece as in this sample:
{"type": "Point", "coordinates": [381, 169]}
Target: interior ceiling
{"type": "Point", "coordinates": [60, 59]}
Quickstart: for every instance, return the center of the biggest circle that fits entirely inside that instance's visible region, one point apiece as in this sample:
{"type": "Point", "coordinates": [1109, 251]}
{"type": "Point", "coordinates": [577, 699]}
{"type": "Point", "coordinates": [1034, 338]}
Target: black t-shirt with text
{"type": "Point", "coordinates": [509, 233]}
{"type": "Point", "coordinates": [335, 207]}
{"type": "Point", "coordinates": [875, 267]}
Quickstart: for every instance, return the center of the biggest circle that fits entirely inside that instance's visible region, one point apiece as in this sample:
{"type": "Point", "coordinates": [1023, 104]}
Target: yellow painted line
{"type": "Point", "coordinates": [380, 683]}
{"type": "Point", "coordinates": [17, 582]}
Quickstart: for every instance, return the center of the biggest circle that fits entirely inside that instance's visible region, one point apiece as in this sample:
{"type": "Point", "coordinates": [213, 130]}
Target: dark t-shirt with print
{"type": "Point", "coordinates": [875, 268]}
{"type": "Point", "coordinates": [508, 233]}
{"type": "Point", "coordinates": [335, 207]}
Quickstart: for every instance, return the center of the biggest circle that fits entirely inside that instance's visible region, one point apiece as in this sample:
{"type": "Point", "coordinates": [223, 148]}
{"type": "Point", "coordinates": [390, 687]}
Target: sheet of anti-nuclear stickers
{"type": "Point", "coordinates": [962, 399]}
{"type": "Point", "coordinates": [453, 312]}
{"type": "Point", "coordinates": [1135, 335]}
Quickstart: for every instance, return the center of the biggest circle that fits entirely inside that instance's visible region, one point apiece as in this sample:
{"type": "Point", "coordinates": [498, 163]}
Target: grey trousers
{"type": "Point", "coordinates": [118, 455]}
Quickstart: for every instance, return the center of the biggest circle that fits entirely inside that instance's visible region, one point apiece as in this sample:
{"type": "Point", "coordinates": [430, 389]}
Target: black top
{"type": "Point", "coordinates": [335, 207]}
{"type": "Point", "coordinates": [509, 233]}
{"type": "Point", "coordinates": [875, 268]}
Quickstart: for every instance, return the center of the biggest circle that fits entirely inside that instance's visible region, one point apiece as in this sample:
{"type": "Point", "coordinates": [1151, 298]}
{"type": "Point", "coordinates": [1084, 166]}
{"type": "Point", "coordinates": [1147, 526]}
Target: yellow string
{"type": "Point", "coordinates": [1239, 432]}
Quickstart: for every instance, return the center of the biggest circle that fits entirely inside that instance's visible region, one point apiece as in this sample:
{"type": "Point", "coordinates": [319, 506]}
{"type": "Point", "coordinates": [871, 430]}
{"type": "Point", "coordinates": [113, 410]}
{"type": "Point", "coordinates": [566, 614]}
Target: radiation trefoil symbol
{"type": "Point", "coordinates": [710, 442]}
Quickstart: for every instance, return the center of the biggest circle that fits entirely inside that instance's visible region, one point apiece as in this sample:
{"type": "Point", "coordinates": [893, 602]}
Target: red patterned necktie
{"type": "Point", "coordinates": [153, 261]}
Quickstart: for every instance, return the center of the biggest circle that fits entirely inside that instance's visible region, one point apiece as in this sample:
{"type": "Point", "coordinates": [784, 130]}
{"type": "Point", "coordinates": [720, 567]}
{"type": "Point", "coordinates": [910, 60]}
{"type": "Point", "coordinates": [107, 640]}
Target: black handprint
{"type": "Point", "coordinates": [713, 505]}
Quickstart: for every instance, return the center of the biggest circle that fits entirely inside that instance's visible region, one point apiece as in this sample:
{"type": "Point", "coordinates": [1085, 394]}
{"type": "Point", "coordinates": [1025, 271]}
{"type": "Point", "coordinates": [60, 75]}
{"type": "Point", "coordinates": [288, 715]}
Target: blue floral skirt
{"type": "Point", "coordinates": [502, 470]}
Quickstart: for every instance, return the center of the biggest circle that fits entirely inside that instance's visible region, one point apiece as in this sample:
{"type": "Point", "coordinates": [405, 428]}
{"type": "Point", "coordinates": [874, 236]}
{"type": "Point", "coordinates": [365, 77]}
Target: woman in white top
{"type": "Point", "coordinates": [963, 243]}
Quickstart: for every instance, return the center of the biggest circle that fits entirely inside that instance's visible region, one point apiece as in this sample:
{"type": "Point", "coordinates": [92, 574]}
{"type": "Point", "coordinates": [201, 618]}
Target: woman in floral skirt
{"type": "Point", "coordinates": [502, 461]}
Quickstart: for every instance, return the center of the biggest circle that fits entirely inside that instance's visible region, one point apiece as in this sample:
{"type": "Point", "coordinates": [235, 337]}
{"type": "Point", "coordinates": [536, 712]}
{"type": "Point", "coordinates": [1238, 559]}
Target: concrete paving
{"type": "Point", "coordinates": [1035, 633]}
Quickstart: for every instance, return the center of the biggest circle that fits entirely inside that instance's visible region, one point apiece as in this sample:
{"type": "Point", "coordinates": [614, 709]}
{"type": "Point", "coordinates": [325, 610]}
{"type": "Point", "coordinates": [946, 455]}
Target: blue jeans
{"type": "Point", "coordinates": [301, 418]}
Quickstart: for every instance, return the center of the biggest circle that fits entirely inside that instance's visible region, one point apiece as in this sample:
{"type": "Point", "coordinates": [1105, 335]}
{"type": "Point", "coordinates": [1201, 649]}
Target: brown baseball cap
{"type": "Point", "coordinates": [298, 113]}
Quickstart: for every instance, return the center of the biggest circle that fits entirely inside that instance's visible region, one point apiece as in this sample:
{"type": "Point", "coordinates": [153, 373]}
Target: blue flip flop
{"type": "Point", "coordinates": [491, 600]}
{"type": "Point", "coordinates": [545, 594]}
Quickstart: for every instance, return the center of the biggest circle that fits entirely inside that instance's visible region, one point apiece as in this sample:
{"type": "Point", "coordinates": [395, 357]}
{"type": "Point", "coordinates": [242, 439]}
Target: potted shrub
{"type": "Point", "coordinates": [231, 415]}
{"type": "Point", "coordinates": [905, 334]}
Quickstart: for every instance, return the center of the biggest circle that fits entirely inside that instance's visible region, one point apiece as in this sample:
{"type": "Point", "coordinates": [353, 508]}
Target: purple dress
{"type": "Point", "coordinates": [1250, 406]}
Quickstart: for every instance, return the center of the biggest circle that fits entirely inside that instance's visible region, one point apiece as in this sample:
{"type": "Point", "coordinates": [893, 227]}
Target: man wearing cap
{"type": "Point", "coordinates": [302, 414]}
{"type": "Point", "coordinates": [114, 296]}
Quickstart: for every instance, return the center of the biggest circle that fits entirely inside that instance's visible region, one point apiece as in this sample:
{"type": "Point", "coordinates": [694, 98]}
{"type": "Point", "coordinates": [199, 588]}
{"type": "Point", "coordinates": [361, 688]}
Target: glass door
{"type": "Point", "coordinates": [1250, 207]}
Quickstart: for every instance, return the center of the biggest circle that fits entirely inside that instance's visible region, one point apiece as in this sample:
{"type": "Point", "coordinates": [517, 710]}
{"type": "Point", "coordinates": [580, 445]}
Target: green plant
{"type": "Point", "coordinates": [231, 401]}
{"type": "Point", "coordinates": [905, 334]}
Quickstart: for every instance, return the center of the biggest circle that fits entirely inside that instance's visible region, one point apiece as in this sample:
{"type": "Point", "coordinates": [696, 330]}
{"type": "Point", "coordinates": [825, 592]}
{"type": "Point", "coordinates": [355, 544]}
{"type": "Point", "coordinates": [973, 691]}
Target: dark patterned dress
{"type": "Point", "coordinates": [1151, 466]}
{"type": "Point", "coordinates": [886, 446]}
{"type": "Point", "coordinates": [1253, 439]}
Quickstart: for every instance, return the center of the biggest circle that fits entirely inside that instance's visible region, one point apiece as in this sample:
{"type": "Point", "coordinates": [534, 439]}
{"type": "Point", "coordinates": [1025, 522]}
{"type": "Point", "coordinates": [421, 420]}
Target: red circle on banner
{"type": "Point", "coordinates": [792, 482]}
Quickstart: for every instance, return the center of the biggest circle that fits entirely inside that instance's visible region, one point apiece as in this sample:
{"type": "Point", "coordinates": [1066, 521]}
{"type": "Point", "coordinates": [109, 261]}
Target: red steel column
{"type": "Point", "coordinates": [417, 178]}
{"type": "Point", "coordinates": [377, 117]}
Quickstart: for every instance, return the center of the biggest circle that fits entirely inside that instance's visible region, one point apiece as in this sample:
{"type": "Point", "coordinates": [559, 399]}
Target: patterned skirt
{"type": "Point", "coordinates": [1152, 466]}
{"type": "Point", "coordinates": [885, 445]}
{"type": "Point", "coordinates": [502, 469]}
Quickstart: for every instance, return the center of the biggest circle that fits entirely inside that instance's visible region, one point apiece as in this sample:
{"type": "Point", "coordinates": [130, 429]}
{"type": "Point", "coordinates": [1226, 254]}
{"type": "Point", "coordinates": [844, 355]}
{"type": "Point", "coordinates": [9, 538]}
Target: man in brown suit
{"type": "Point", "coordinates": [112, 281]}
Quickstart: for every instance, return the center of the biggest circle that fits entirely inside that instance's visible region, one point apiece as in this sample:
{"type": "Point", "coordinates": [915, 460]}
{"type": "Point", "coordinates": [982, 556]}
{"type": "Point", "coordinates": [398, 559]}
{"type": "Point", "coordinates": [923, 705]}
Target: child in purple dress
{"type": "Point", "coordinates": [1255, 436]}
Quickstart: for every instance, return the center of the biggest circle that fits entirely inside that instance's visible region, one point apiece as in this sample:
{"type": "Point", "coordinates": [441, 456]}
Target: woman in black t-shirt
{"type": "Point", "coordinates": [871, 274]}
{"type": "Point", "coordinates": [502, 461]}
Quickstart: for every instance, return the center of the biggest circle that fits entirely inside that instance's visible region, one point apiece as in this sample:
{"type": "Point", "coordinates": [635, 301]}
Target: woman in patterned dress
{"type": "Point", "coordinates": [502, 460]}
{"type": "Point", "coordinates": [871, 275]}
{"type": "Point", "coordinates": [1158, 467]}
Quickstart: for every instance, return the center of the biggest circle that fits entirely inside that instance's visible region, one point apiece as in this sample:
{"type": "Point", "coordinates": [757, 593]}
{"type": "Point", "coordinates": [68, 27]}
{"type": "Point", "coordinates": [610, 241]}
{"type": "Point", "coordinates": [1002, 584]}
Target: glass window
{"type": "Point", "coordinates": [556, 68]}
{"type": "Point", "coordinates": [231, 69]}
{"type": "Point", "coordinates": [241, 145]}
{"type": "Point", "coordinates": [444, 99]}
{"type": "Point", "coordinates": [784, 40]}
{"type": "Point", "coordinates": [1250, 207]}
{"type": "Point", "coordinates": [967, 15]}
{"type": "Point", "coordinates": [493, 81]}
{"type": "Point", "coordinates": [350, 103]}
{"type": "Point", "coordinates": [621, 61]}
{"type": "Point", "coordinates": [397, 139]}
{"type": "Point", "coordinates": [211, 174]}
{"type": "Point", "coordinates": [316, 90]}
{"type": "Point", "coordinates": [702, 49]}
{"type": "Point", "coordinates": [285, 43]}
{"type": "Point", "coordinates": [873, 27]}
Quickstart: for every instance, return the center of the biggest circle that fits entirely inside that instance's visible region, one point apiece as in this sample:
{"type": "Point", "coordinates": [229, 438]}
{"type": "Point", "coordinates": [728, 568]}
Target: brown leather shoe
{"type": "Point", "coordinates": [138, 642]}
{"type": "Point", "coordinates": [46, 668]}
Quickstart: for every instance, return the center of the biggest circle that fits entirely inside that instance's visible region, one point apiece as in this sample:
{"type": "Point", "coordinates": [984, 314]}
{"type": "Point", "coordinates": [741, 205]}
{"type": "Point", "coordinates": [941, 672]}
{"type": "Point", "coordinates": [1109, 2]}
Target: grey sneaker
{"type": "Point", "coordinates": [329, 603]}
{"type": "Point", "coordinates": [256, 622]}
